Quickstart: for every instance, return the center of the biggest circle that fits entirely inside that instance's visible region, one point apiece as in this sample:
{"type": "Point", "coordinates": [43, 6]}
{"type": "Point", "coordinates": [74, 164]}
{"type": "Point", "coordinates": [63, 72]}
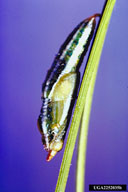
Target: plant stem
{"type": "Point", "coordinates": [83, 137]}
{"type": "Point", "coordinates": [92, 65]}
{"type": "Point", "coordinates": [97, 48]}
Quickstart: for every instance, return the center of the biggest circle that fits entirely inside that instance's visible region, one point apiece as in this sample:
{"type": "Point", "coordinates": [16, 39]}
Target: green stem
{"type": "Point", "coordinates": [92, 65]}
{"type": "Point", "coordinates": [97, 47]}
{"type": "Point", "coordinates": [83, 137]}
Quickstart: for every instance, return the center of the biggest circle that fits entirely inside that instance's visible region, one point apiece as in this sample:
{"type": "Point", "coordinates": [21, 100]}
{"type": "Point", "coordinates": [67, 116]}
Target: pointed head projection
{"type": "Point", "coordinates": [52, 140]}
{"type": "Point", "coordinates": [54, 147]}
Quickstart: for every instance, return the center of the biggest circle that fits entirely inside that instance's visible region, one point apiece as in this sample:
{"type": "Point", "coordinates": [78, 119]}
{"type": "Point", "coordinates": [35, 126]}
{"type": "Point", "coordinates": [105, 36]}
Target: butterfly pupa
{"type": "Point", "coordinates": [60, 87]}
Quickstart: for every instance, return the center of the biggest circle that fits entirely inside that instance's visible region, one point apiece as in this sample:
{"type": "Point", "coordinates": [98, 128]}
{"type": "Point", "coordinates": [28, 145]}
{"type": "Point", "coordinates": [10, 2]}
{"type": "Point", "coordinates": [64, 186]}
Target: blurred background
{"type": "Point", "coordinates": [31, 33]}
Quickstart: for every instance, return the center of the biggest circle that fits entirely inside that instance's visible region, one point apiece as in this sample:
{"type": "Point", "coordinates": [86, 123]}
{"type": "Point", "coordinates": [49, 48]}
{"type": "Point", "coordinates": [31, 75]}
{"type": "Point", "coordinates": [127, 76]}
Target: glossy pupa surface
{"type": "Point", "coordinates": [60, 86]}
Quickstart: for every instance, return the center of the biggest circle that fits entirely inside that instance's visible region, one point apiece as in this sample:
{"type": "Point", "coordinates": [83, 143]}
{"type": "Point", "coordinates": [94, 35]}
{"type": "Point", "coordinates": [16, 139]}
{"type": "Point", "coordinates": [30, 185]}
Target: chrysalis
{"type": "Point", "coordinates": [60, 87]}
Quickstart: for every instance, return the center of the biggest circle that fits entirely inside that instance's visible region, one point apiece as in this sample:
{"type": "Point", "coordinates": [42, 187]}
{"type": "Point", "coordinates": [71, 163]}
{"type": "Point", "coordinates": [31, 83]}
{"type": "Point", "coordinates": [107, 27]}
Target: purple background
{"type": "Point", "coordinates": [31, 32]}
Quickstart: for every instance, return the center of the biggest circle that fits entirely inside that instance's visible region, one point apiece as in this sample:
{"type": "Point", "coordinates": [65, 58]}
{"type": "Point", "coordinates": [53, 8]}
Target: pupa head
{"type": "Point", "coordinates": [54, 147]}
